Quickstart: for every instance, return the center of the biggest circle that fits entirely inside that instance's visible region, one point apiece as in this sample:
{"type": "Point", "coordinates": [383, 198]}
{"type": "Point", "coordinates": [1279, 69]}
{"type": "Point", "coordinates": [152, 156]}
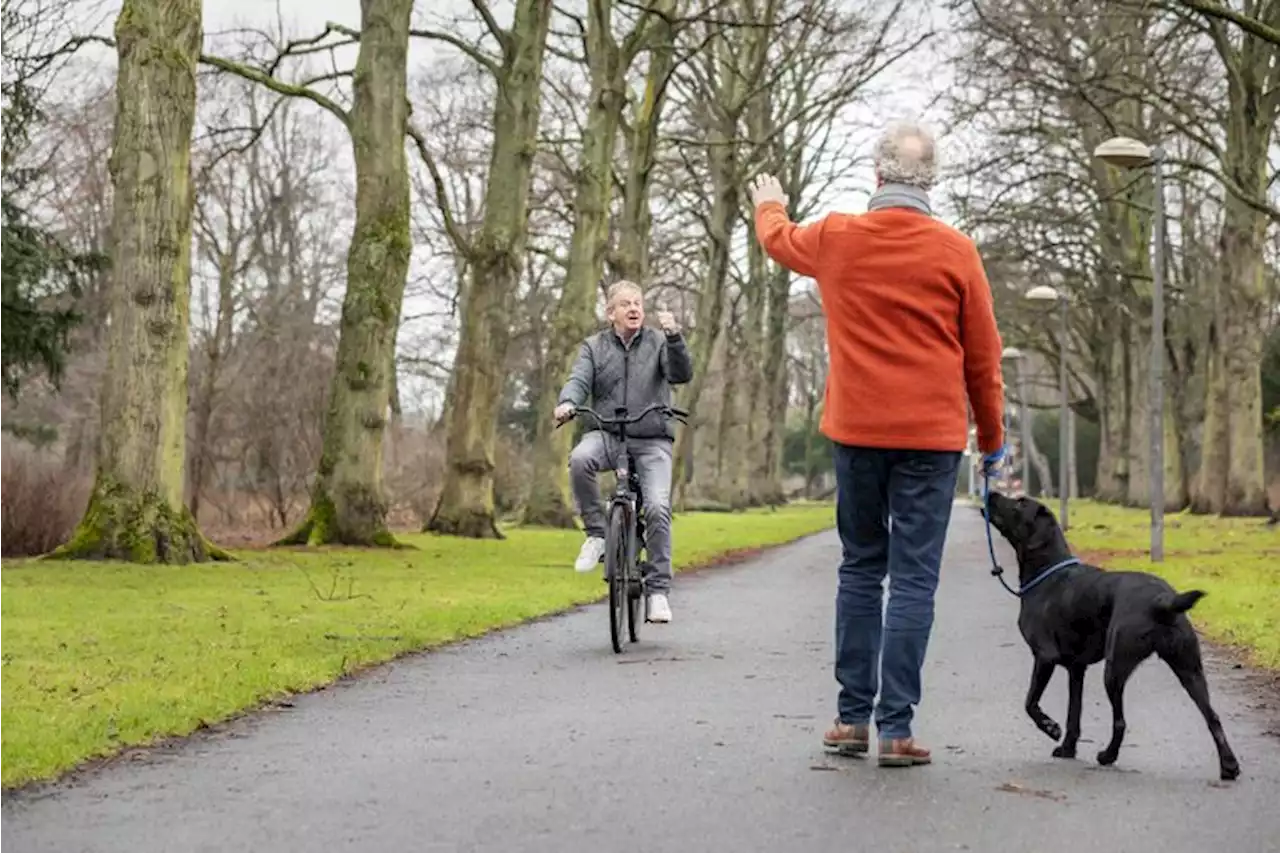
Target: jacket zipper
{"type": "Point", "coordinates": [626, 372]}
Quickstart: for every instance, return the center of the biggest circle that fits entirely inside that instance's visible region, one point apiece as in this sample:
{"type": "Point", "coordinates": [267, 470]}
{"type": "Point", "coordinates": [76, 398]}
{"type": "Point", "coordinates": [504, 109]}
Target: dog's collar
{"type": "Point", "coordinates": [1047, 573]}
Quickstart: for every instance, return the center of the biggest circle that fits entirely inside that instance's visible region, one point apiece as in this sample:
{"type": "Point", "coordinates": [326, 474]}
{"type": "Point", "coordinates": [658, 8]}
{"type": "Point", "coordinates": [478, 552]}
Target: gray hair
{"type": "Point", "coordinates": [618, 288]}
{"type": "Point", "coordinates": [906, 154]}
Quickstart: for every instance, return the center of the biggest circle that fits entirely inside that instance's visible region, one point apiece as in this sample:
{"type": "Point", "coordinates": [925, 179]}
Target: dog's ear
{"type": "Point", "coordinates": [1039, 526]}
{"type": "Point", "coordinates": [1028, 511]}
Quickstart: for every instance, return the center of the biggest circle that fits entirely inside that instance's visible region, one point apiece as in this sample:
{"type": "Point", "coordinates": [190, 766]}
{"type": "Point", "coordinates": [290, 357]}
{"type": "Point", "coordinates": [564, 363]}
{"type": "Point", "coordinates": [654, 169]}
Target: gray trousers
{"type": "Point", "coordinates": [653, 456]}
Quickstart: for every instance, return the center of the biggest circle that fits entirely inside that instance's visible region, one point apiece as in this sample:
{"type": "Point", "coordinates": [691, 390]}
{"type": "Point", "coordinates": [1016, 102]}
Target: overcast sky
{"type": "Point", "coordinates": [910, 84]}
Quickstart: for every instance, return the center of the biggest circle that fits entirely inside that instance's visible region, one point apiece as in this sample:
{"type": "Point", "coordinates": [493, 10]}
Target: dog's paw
{"type": "Point", "coordinates": [1230, 771]}
{"type": "Point", "coordinates": [1106, 758]}
{"type": "Point", "coordinates": [1051, 729]}
{"type": "Point", "coordinates": [1064, 752]}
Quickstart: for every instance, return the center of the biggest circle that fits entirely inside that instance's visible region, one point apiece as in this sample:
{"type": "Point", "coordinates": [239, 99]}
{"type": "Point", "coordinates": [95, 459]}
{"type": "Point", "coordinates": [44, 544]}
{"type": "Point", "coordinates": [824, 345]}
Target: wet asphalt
{"type": "Point", "coordinates": [703, 737]}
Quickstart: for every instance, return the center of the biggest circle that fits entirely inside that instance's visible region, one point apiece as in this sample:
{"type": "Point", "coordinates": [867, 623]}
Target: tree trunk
{"type": "Point", "coordinates": [1186, 355]}
{"type": "Point", "coordinates": [1232, 479]}
{"type": "Point", "coordinates": [1073, 470]}
{"type": "Point", "coordinates": [723, 158]}
{"type": "Point", "coordinates": [1112, 479]}
{"type": "Point", "coordinates": [1043, 471]}
{"type": "Point", "coordinates": [550, 503]}
{"type": "Point", "coordinates": [733, 444]}
{"type": "Point", "coordinates": [735, 63]}
{"type": "Point", "coordinates": [1244, 338]}
{"type": "Point", "coordinates": [753, 449]}
{"type": "Point", "coordinates": [466, 500]}
{"type": "Point", "coordinates": [747, 353]}
{"type": "Point", "coordinates": [775, 386]}
{"type": "Point", "coordinates": [1139, 373]}
{"type": "Point", "coordinates": [214, 352]}
{"type": "Point", "coordinates": [348, 504]}
{"type": "Point", "coordinates": [136, 510]}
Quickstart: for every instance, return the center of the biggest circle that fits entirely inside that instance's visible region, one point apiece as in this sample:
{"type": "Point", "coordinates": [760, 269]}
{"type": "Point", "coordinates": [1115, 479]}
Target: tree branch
{"type": "Point", "coordinates": [259, 76]}
{"type": "Point", "coordinates": [459, 240]}
{"type": "Point", "coordinates": [496, 31]}
{"type": "Point", "coordinates": [246, 72]}
{"type": "Point", "coordinates": [473, 52]}
{"type": "Point", "coordinates": [1213, 9]}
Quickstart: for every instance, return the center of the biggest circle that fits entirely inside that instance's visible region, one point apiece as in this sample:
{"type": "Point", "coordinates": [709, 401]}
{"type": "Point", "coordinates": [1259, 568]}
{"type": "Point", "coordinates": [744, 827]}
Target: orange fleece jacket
{"type": "Point", "coordinates": [910, 327]}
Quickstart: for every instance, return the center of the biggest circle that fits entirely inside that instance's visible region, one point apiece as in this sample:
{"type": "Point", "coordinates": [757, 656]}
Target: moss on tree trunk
{"type": "Point", "coordinates": [124, 523]}
{"type": "Point", "coordinates": [466, 505]}
{"type": "Point", "coordinates": [348, 503]}
{"type": "Point", "coordinates": [136, 511]}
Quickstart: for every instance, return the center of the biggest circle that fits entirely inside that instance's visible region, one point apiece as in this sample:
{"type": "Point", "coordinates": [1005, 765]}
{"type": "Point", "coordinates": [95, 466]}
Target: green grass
{"type": "Point", "coordinates": [1235, 560]}
{"type": "Point", "coordinates": [101, 656]}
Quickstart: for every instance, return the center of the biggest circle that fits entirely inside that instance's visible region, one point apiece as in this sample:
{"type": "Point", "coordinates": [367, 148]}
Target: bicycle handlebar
{"type": "Point", "coordinates": [669, 411]}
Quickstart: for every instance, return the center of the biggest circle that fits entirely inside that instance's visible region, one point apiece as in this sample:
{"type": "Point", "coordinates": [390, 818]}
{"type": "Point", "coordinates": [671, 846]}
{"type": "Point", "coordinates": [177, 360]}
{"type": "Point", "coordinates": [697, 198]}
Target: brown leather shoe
{"type": "Point", "coordinates": [848, 739]}
{"type": "Point", "coordinates": [902, 752]}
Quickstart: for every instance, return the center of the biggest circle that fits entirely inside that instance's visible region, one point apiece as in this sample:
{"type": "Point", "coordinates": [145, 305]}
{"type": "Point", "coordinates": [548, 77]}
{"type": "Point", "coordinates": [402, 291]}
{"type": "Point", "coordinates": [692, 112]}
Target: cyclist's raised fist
{"type": "Point", "coordinates": [667, 321]}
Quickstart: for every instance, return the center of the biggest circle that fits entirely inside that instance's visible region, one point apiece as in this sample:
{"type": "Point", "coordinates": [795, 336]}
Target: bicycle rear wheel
{"type": "Point", "coordinates": [616, 559]}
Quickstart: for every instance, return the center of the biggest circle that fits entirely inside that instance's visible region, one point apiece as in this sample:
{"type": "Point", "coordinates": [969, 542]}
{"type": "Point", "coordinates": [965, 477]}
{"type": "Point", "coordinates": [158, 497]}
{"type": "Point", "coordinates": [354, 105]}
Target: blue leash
{"type": "Point", "coordinates": [996, 570]}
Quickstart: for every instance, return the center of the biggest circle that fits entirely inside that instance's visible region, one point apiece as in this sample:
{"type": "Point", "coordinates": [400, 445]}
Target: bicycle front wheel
{"type": "Point", "coordinates": [616, 560]}
{"type": "Point", "coordinates": [636, 605]}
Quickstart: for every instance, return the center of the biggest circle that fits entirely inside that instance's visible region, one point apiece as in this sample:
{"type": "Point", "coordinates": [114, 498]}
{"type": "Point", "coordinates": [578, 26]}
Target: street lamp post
{"type": "Point", "coordinates": [1017, 357]}
{"type": "Point", "coordinates": [1045, 293]}
{"type": "Point", "coordinates": [1128, 153]}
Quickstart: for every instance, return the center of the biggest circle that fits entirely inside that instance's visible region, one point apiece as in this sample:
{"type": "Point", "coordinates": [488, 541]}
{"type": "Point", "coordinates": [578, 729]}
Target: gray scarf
{"type": "Point", "coordinates": [901, 195]}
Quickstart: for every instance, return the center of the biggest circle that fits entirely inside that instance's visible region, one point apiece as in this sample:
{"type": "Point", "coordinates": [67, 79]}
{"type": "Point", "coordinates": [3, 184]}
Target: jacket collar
{"type": "Point", "coordinates": [901, 196]}
{"type": "Point", "coordinates": [626, 345]}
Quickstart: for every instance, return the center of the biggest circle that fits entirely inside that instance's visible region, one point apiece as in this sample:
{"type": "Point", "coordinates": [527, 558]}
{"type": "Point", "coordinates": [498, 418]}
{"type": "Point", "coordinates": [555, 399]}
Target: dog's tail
{"type": "Point", "coordinates": [1168, 605]}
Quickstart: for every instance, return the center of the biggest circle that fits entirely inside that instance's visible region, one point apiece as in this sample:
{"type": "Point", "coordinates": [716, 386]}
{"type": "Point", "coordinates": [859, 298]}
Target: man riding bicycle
{"type": "Point", "coordinates": [628, 365]}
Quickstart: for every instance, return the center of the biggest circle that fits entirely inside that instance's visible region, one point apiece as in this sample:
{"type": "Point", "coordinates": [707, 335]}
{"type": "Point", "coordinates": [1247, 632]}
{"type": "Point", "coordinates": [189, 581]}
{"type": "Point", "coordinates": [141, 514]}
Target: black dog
{"type": "Point", "coordinates": [1080, 615]}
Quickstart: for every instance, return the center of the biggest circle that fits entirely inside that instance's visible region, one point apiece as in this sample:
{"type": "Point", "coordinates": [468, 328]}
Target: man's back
{"type": "Point", "coordinates": [893, 285]}
{"type": "Point", "coordinates": [909, 325]}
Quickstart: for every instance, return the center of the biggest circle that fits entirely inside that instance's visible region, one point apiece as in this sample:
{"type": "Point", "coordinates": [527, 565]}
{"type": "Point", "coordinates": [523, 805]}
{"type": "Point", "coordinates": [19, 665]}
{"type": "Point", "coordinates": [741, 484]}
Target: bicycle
{"type": "Point", "coordinates": [628, 583]}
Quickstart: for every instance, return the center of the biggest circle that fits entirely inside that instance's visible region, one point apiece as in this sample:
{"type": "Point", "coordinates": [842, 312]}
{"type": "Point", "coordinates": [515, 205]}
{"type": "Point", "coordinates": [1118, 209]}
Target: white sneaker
{"type": "Point", "coordinates": [589, 556]}
{"type": "Point", "coordinates": [659, 608]}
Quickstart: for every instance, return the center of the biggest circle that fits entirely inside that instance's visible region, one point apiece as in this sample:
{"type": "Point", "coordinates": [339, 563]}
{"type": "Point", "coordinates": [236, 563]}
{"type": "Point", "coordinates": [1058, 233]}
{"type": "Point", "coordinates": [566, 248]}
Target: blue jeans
{"type": "Point", "coordinates": [914, 488]}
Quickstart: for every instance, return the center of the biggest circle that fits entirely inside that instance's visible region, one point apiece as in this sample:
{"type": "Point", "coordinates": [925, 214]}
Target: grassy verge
{"type": "Point", "coordinates": [100, 656]}
{"type": "Point", "coordinates": [1235, 560]}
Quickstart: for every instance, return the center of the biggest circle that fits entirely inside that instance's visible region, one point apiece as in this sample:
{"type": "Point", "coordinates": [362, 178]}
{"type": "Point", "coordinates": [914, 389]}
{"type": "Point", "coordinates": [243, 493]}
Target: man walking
{"type": "Point", "coordinates": [910, 329]}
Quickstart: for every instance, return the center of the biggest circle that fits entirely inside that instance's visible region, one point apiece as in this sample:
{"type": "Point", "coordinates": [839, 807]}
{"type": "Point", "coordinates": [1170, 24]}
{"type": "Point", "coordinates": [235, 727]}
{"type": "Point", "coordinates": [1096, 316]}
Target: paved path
{"type": "Point", "coordinates": [703, 738]}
